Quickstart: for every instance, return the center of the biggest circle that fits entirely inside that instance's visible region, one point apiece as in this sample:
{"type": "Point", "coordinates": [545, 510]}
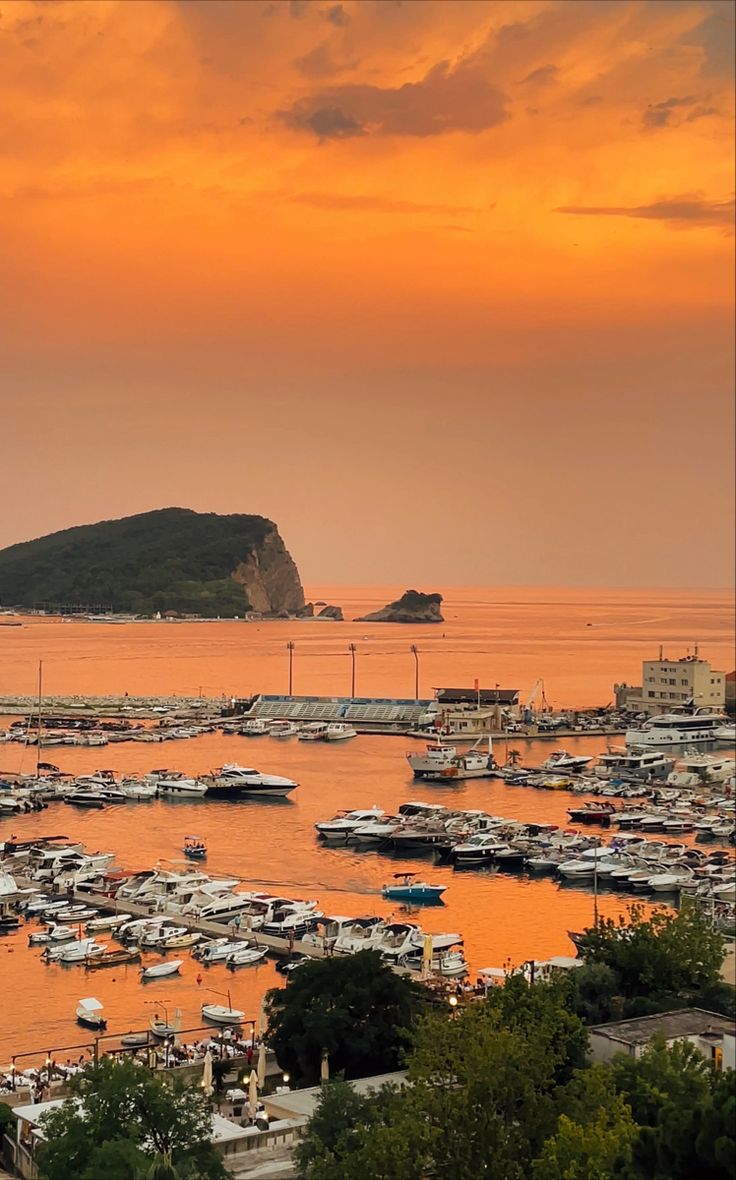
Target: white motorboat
{"type": "Point", "coordinates": [232, 781]}
{"type": "Point", "coordinates": [180, 941]}
{"type": "Point", "coordinates": [677, 729]}
{"type": "Point", "coordinates": [256, 726]}
{"type": "Point", "coordinates": [699, 769]}
{"type": "Point", "coordinates": [436, 758]}
{"type": "Point", "coordinates": [246, 956]}
{"type": "Point", "coordinates": [479, 849]}
{"type": "Point", "coordinates": [313, 731]}
{"type": "Point", "coordinates": [633, 765]}
{"type": "Point", "coordinates": [137, 789]}
{"type": "Point", "coordinates": [726, 733]}
{"type": "Point", "coordinates": [172, 785]}
{"type": "Point", "coordinates": [219, 1014]}
{"type": "Point", "coordinates": [359, 934]}
{"type": "Point", "coordinates": [561, 760]}
{"type": "Point", "coordinates": [75, 952]}
{"type": "Point", "coordinates": [404, 938]}
{"type": "Point", "coordinates": [375, 831]}
{"type": "Point", "coordinates": [108, 922]}
{"type": "Point", "coordinates": [159, 970]}
{"type": "Point", "coordinates": [89, 1014]}
{"type": "Point", "coordinates": [162, 1028]}
{"type": "Point", "coordinates": [342, 825]}
{"type": "Point", "coordinates": [52, 935]}
{"type": "Point", "coordinates": [283, 729]}
{"type": "Point", "coordinates": [217, 950]}
{"type": "Point", "coordinates": [338, 731]}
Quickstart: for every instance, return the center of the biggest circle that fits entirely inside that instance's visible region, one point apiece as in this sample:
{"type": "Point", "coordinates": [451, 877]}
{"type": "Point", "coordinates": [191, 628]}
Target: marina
{"type": "Point", "coordinates": [269, 844]}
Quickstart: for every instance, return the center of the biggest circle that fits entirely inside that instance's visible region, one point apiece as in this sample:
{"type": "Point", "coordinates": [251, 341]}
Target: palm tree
{"type": "Point", "coordinates": [161, 1169]}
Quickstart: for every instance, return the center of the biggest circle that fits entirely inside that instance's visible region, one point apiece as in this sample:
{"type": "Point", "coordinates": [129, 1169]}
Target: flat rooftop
{"type": "Point", "coordinates": [684, 1022]}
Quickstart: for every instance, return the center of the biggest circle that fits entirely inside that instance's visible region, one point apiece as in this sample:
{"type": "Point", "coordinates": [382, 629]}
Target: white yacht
{"type": "Point", "coordinates": [283, 729]}
{"type": "Point", "coordinates": [436, 758]}
{"type": "Point", "coordinates": [561, 760]}
{"type": "Point", "coordinates": [338, 731]}
{"type": "Point", "coordinates": [314, 731]}
{"type": "Point", "coordinates": [342, 825]}
{"type": "Point", "coordinates": [232, 781]}
{"type": "Point", "coordinates": [677, 729]}
{"type": "Point", "coordinates": [631, 765]}
{"type": "Point", "coordinates": [698, 769]}
{"type": "Point", "coordinates": [360, 934]}
{"type": "Point", "coordinates": [174, 785]}
{"type": "Point", "coordinates": [256, 727]}
{"type": "Point", "coordinates": [726, 733]}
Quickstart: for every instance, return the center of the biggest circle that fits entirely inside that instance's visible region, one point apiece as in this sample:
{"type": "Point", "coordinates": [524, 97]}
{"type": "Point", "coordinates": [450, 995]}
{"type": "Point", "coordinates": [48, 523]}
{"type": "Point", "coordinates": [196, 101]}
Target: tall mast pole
{"type": "Point", "coordinates": [38, 734]}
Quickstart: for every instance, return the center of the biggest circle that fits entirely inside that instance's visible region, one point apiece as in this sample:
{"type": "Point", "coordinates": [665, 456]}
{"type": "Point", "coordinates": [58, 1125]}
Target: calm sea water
{"type": "Point", "coordinates": [578, 642]}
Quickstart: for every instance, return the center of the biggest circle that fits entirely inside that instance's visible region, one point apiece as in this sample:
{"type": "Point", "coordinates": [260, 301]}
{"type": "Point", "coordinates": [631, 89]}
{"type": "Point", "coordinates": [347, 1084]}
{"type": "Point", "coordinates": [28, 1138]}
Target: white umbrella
{"type": "Point", "coordinates": [261, 1066]}
{"type": "Point", "coordinates": [253, 1090]}
{"type": "Point", "coordinates": [324, 1069]}
{"type": "Point", "coordinates": [207, 1073]}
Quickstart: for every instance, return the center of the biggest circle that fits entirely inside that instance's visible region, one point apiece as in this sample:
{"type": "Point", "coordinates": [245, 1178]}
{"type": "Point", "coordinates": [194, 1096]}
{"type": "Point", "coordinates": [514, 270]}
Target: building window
{"type": "Point", "coordinates": [651, 694]}
{"type": "Point", "coordinates": [672, 682]}
{"type": "Point", "coordinates": [684, 682]}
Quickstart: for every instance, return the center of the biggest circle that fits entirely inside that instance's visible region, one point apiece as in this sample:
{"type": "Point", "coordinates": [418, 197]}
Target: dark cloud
{"type": "Point", "coordinates": [328, 122]}
{"type": "Point", "coordinates": [689, 209]}
{"type": "Point", "coordinates": [336, 15]}
{"type": "Point", "coordinates": [362, 203]}
{"type": "Point", "coordinates": [449, 98]}
{"type": "Point", "coordinates": [544, 76]}
{"type": "Point", "coordinates": [702, 113]}
{"type": "Point", "coordinates": [320, 63]}
{"type": "Point", "coordinates": [659, 114]}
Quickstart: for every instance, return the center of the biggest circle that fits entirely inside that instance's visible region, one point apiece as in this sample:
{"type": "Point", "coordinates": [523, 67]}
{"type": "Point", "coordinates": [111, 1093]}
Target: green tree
{"type": "Point", "coordinates": [118, 1118]}
{"type": "Point", "coordinates": [667, 956]}
{"type": "Point", "coordinates": [594, 1132]}
{"type": "Point", "coordinates": [481, 1098]}
{"type": "Point", "coordinates": [351, 1137]}
{"type": "Point", "coordinates": [686, 1111]}
{"type": "Point", "coordinates": [354, 1009]}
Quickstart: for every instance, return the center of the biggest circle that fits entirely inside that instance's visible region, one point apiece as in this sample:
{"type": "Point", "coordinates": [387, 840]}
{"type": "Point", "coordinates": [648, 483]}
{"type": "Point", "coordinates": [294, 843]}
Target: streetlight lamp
{"type": "Point", "coordinates": [415, 652]}
{"type": "Point", "coordinates": [352, 650]}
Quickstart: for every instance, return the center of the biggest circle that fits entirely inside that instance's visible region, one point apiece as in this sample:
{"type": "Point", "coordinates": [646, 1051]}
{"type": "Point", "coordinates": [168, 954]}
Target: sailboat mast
{"type": "Point", "coordinates": [40, 722]}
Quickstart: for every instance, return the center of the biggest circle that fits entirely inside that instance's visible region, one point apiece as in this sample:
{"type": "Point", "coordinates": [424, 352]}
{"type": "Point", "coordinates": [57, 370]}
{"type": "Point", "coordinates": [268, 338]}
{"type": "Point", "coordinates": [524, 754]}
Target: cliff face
{"type": "Point", "coordinates": [412, 607]}
{"type": "Point", "coordinates": [270, 578]}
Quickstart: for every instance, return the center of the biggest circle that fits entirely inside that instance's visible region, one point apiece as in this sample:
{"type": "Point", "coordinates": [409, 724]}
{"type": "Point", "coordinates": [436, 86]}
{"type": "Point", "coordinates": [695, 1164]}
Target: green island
{"type": "Point", "coordinates": [170, 560]}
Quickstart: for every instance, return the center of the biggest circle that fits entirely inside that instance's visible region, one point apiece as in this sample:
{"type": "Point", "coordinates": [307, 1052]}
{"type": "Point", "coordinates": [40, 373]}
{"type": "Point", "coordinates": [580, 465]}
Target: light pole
{"type": "Point", "coordinates": [290, 649]}
{"type": "Point", "coordinates": [415, 652]}
{"type": "Point", "coordinates": [352, 650]}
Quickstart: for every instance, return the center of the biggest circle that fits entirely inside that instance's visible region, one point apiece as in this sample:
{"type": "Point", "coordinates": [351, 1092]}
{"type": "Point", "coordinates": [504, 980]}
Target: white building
{"type": "Point", "coordinates": [672, 684]}
{"type": "Point", "coordinates": [708, 1031]}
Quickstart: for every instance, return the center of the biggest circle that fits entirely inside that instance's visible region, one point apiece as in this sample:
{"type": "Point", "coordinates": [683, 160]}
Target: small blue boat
{"type": "Point", "coordinates": [195, 848]}
{"type": "Point", "coordinates": [407, 889]}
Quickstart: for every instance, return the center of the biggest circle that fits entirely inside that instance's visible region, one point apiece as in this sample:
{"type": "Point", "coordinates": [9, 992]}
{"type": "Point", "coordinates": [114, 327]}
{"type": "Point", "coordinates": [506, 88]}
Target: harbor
{"type": "Point", "coordinates": [269, 844]}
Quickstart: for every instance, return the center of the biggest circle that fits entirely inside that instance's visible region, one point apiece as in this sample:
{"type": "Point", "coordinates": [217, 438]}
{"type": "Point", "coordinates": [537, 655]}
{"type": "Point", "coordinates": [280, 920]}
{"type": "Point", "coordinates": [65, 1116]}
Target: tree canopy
{"type": "Point", "coordinates": [121, 1121]}
{"type": "Point", "coordinates": [353, 1009]}
{"type": "Point", "coordinates": [503, 1088]}
{"type": "Point", "coordinates": [638, 964]}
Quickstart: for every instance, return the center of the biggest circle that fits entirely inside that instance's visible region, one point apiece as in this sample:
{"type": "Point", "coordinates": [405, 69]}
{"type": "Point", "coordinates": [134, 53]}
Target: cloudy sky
{"type": "Point", "coordinates": [443, 288]}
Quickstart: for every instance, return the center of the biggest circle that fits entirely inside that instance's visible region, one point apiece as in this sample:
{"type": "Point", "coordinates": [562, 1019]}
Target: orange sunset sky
{"type": "Point", "coordinates": [443, 288]}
